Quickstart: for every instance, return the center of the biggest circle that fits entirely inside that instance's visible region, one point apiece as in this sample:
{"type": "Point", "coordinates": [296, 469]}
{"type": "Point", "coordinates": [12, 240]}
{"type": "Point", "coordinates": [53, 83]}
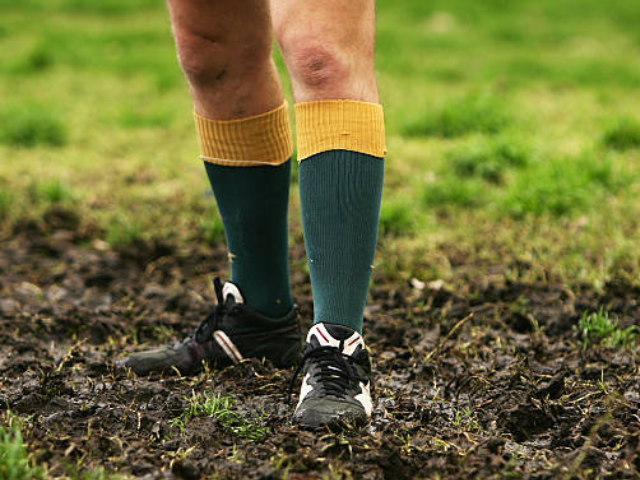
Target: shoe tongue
{"type": "Point", "coordinates": [231, 289]}
{"type": "Point", "coordinates": [327, 334]}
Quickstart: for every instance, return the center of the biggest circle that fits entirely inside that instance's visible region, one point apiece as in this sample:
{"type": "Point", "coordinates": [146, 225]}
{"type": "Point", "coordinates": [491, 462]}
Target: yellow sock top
{"type": "Point", "coordinates": [263, 139]}
{"type": "Point", "coordinates": [339, 125]}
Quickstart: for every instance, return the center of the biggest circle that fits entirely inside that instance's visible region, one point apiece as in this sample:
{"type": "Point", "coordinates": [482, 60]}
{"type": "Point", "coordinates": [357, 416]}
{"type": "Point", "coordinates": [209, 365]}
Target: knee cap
{"type": "Point", "coordinates": [201, 59]}
{"type": "Point", "coordinates": [317, 67]}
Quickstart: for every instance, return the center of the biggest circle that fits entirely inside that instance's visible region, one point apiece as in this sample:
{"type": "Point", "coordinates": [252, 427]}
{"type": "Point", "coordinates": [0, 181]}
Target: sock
{"type": "Point", "coordinates": [341, 150]}
{"type": "Point", "coordinates": [248, 165]}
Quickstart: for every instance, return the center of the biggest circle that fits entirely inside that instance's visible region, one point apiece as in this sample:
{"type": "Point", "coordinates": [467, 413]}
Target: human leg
{"type": "Point", "coordinates": [328, 49]}
{"type": "Point", "coordinates": [224, 49]}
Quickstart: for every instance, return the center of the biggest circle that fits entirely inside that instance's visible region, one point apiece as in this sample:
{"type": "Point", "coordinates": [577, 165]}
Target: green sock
{"type": "Point", "coordinates": [340, 195]}
{"type": "Point", "coordinates": [253, 204]}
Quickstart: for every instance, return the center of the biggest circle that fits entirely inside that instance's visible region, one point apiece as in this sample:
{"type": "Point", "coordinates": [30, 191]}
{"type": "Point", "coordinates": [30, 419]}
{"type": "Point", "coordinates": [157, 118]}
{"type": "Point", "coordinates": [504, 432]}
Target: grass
{"type": "Point", "coordinates": [212, 228]}
{"type": "Point", "coordinates": [464, 418]}
{"type": "Point", "coordinates": [397, 217]}
{"type": "Point", "coordinates": [489, 159]}
{"type": "Point", "coordinates": [562, 187]}
{"type": "Point", "coordinates": [472, 113]}
{"type": "Point", "coordinates": [29, 126]}
{"type": "Point", "coordinates": [599, 328]}
{"type": "Point", "coordinates": [123, 231]}
{"type": "Point", "coordinates": [50, 192]}
{"type": "Point", "coordinates": [623, 135]}
{"type": "Point", "coordinates": [498, 118]}
{"type": "Point", "coordinates": [220, 407]}
{"type": "Point", "coordinates": [6, 200]}
{"type": "Point", "coordinates": [15, 462]}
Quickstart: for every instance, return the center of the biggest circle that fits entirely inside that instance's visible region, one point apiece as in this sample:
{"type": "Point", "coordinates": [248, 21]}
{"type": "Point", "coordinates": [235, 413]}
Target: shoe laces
{"type": "Point", "coordinates": [210, 324]}
{"type": "Point", "coordinates": [335, 370]}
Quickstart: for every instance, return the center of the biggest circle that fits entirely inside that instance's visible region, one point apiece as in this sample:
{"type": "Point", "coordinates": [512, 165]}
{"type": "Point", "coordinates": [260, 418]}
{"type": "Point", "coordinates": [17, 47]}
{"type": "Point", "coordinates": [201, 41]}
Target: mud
{"type": "Point", "coordinates": [484, 381]}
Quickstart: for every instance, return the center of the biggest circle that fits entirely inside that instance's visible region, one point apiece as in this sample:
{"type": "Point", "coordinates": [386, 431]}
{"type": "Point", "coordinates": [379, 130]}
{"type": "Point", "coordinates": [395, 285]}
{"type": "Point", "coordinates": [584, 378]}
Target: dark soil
{"type": "Point", "coordinates": [506, 393]}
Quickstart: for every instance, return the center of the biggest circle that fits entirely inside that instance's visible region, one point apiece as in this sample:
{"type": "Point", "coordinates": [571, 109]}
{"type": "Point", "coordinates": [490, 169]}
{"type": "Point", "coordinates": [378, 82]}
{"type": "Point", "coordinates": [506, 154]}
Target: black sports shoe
{"type": "Point", "coordinates": [232, 332]}
{"type": "Point", "coordinates": [336, 385]}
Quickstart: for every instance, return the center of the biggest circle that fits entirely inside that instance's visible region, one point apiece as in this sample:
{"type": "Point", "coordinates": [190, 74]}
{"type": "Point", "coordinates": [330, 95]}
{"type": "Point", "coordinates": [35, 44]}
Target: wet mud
{"type": "Point", "coordinates": [487, 381]}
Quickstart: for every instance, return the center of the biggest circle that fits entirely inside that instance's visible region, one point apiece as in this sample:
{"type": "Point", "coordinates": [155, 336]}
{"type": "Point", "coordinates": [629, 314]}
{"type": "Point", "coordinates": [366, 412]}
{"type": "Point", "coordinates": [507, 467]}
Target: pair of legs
{"type": "Point", "coordinates": [224, 48]}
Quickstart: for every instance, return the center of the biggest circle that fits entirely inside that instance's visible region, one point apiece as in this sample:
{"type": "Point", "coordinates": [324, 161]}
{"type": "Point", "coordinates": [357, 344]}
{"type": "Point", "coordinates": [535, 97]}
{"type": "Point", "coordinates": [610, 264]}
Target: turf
{"type": "Point", "coordinates": [513, 135]}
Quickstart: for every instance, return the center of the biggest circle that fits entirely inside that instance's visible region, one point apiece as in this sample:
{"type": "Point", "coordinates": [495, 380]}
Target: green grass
{"type": "Point", "coordinates": [473, 113]}
{"type": "Point", "coordinates": [49, 192]}
{"type": "Point", "coordinates": [489, 159]}
{"type": "Point", "coordinates": [623, 135]}
{"type": "Point", "coordinates": [598, 328]}
{"type": "Point", "coordinates": [30, 126]}
{"type": "Point", "coordinates": [397, 217]}
{"type": "Point", "coordinates": [498, 118]}
{"type": "Point", "coordinates": [561, 187]}
{"type": "Point", "coordinates": [451, 190]}
{"type": "Point", "coordinates": [211, 227]}
{"type": "Point", "coordinates": [15, 462]}
{"type": "Point", "coordinates": [220, 407]}
{"type": "Point", "coordinates": [123, 231]}
{"type": "Point", "coordinates": [6, 200]}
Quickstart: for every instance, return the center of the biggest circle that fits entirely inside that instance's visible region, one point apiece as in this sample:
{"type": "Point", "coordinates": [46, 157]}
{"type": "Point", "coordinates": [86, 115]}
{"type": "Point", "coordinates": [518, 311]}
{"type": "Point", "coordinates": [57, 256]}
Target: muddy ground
{"type": "Point", "coordinates": [506, 393]}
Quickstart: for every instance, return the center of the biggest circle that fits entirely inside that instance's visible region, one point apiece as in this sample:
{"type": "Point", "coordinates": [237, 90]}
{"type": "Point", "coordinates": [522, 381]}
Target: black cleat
{"type": "Point", "coordinates": [231, 333]}
{"type": "Point", "coordinates": [336, 385]}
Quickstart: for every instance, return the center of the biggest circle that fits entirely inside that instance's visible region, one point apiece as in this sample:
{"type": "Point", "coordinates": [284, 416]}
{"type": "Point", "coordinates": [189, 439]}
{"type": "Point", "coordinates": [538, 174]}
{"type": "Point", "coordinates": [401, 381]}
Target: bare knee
{"type": "Point", "coordinates": [328, 69]}
{"type": "Point", "coordinates": [210, 61]}
{"type": "Point", "coordinates": [202, 59]}
{"type": "Point", "coordinates": [316, 67]}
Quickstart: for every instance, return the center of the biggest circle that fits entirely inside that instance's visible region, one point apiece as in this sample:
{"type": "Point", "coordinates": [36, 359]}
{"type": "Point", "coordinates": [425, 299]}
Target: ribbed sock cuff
{"type": "Point", "coordinates": [339, 125]}
{"type": "Point", "coordinates": [263, 139]}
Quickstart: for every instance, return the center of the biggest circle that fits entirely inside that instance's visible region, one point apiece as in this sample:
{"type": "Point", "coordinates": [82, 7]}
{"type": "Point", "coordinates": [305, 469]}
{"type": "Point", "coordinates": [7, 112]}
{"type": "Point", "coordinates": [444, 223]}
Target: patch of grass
{"type": "Point", "coordinates": [465, 418]}
{"type": "Point", "coordinates": [37, 60]}
{"type": "Point", "coordinates": [30, 126]}
{"type": "Point", "coordinates": [6, 200]}
{"type": "Point", "coordinates": [48, 192]}
{"type": "Point", "coordinates": [108, 7]}
{"type": "Point", "coordinates": [454, 191]}
{"type": "Point", "coordinates": [560, 187]}
{"type": "Point", "coordinates": [123, 231]}
{"type": "Point", "coordinates": [212, 228]}
{"type": "Point", "coordinates": [623, 135]}
{"type": "Point", "coordinates": [15, 463]}
{"type": "Point", "coordinates": [220, 407]}
{"type": "Point", "coordinates": [135, 119]}
{"type": "Point", "coordinates": [489, 160]}
{"type": "Point", "coordinates": [598, 328]}
{"type": "Point", "coordinates": [473, 113]}
{"type": "Point", "coordinates": [397, 216]}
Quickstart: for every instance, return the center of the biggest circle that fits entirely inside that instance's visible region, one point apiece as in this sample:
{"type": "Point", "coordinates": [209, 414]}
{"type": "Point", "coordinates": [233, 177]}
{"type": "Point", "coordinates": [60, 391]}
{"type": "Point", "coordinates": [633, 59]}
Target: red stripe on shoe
{"type": "Point", "coordinates": [322, 335]}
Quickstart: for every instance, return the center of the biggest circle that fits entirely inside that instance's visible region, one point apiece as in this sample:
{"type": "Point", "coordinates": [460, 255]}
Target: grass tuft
{"type": "Point", "coordinates": [37, 60]}
{"type": "Point", "coordinates": [623, 135]}
{"type": "Point", "coordinates": [30, 126]}
{"type": "Point", "coordinates": [123, 231]}
{"type": "Point", "coordinates": [212, 228]}
{"type": "Point", "coordinates": [6, 200]}
{"type": "Point", "coordinates": [49, 192]}
{"type": "Point", "coordinates": [451, 190]}
{"type": "Point", "coordinates": [397, 216]}
{"type": "Point", "coordinates": [597, 328]}
{"type": "Point", "coordinates": [15, 463]}
{"type": "Point", "coordinates": [220, 407]}
{"type": "Point", "coordinates": [489, 160]}
{"type": "Point", "coordinates": [560, 187]}
{"type": "Point", "coordinates": [473, 113]}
